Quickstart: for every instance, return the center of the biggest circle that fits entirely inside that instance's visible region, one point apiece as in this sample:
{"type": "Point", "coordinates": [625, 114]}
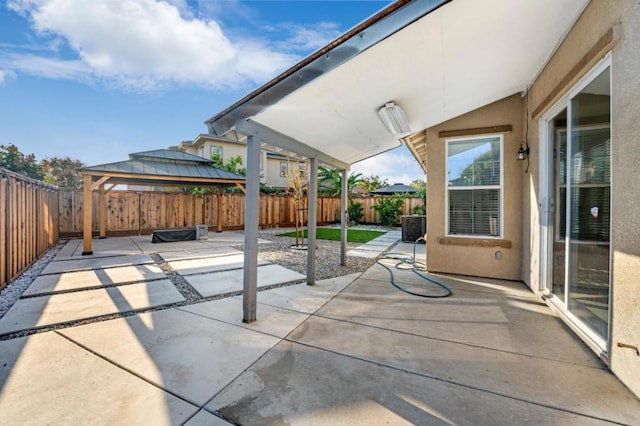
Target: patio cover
{"type": "Point", "coordinates": [163, 167]}
{"type": "Point", "coordinates": [436, 59]}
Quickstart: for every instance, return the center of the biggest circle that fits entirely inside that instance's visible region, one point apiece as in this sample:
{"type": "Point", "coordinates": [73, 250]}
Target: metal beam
{"type": "Point", "coordinates": [344, 218]}
{"type": "Point", "coordinates": [273, 137]}
{"type": "Point", "coordinates": [312, 220]}
{"type": "Point", "coordinates": [251, 217]}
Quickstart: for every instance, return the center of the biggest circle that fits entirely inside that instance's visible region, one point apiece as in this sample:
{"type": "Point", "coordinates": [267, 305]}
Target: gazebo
{"type": "Point", "coordinates": [162, 167]}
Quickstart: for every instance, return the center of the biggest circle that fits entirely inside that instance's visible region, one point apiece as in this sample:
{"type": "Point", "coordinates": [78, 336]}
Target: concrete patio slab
{"type": "Point", "coordinates": [272, 320]}
{"type": "Point", "coordinates": [305, 298]}
{"type": "Point", "coordinates": [229, 281]}
{"type": "Point", "coordinates": [188, 355]}
{"type": "Point", "coordinates": [298, 384]}
{"type": "Point", "coordinates": [204, 418]}
{"type": "Point", "coordinates": [46, 379]}
{"type": "Point", "coordinates": [197, 253]}
{"type": "Point", "coordinates": [210, 264]}
{"type": "Point", "coordinates": [520, 376]}
{"type": "Point", "coordinates": [90, 262]}
{"type": "Point", "coordinates": [93, 279]}
{"type": "Point", "coordinates": [59, 308]}
{"type": "Point", "coordinates": [119, 246]}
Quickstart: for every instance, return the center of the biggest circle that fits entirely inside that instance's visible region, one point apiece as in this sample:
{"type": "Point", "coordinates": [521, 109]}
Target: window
{"type": "Point", "coordinates": [474, 186]}
{"type": "Point", "coordinates": [283, 169]}
{"type": "Point", "coordinates": [216, 151]}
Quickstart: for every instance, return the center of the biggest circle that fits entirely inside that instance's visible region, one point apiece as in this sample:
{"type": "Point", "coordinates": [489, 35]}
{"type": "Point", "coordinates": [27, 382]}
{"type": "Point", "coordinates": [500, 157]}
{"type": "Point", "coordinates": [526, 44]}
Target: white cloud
{"type": "Point", "coordinates": [144, 45]}
{"type": "Point", "coordinates": [397, 166]}
{"type": "Point", "coordinates": [5, 75]}
{"type": "Point", "coordinates": [307, 38]}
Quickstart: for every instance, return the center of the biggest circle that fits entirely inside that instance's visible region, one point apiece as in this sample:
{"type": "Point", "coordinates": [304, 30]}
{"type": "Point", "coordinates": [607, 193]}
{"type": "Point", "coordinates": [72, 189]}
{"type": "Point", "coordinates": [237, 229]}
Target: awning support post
{"type": "Point", "coordinates": [251, 218]}
{"type": "Point", "coordinates": [344, 219]}
{"type": "Point", "coordinates": [312, 220]}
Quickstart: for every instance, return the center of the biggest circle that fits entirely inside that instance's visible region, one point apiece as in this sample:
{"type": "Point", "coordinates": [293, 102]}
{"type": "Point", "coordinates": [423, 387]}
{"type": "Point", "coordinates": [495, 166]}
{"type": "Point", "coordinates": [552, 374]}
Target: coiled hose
{"type": "Point", "coordinates": [405, 263]}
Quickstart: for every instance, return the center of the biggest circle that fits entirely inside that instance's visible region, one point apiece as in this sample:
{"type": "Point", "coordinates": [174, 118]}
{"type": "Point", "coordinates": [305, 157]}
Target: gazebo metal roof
{"type": "Point", "coordinates": [396, 188]}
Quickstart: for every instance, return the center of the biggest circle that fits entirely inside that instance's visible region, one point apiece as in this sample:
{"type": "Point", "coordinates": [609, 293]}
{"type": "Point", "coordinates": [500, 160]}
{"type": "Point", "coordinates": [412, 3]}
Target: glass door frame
{"type": "Point", "coordinates": [547, 210]}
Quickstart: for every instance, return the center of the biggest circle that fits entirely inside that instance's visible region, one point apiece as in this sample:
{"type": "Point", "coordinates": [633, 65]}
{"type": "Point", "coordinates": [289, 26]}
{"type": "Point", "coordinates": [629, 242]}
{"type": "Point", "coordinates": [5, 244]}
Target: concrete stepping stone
{"type": "Point", "coordinates": [93, 279]}
{"type": "Point", "coordinates": [46, 379]}
{"type": "Point", "coordinates": [271, 320]}
{"type": "Point", "coordinates": [210, 264]}
{"type": "Point", "coordinates": [230, 281]}
{"type": "Point", "coordinates": [41, 311]}
{"type": "Point", "coordinates": [90, 262]}
{"type": "Point", "coordinates": [197, 253]}
{"type": "Point", "coordinates": [188, 355]}
{"type": "Point", "coordinates": [357, 252]}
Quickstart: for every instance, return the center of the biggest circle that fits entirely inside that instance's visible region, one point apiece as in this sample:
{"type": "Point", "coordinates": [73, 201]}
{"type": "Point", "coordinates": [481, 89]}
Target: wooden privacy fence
{"type": "Point", "coordinates": [130, 212]}
{"type": "Point", "coordinates": [28, 222]}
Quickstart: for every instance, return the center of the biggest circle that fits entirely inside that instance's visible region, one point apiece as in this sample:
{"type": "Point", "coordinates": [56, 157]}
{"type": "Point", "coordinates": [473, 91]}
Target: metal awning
{"type": "Point", "coordinates": [435, 59]}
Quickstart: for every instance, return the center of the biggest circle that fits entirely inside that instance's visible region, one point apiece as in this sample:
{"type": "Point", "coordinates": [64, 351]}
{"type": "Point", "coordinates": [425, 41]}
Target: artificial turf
{"type": "Point", "coordinates": [333, 234]}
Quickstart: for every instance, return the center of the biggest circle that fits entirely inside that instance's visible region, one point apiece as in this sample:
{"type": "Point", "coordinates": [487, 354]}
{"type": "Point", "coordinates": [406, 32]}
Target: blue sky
{"type": "Point", "coordinates": [96, 80]}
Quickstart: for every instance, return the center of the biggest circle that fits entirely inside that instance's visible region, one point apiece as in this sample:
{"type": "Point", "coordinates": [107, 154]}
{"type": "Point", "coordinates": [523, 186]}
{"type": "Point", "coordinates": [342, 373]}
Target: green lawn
{"type": "Point", "coordinates": [333, 234]}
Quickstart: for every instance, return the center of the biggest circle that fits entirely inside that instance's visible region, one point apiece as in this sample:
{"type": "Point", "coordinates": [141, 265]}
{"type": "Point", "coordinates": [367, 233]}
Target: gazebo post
{"type": "Point", "coordinates": [102, 212]}
{"type": "Point", "coordinates": [87, 217]}
{"type": "Point", "coordinates": [219, 216]}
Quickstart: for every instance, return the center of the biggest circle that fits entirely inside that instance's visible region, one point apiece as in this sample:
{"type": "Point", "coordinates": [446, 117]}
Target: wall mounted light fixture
{"type": "Point", "coordinates": [523, 152]}
{"type": "Point", "coordinates": [394, 118]}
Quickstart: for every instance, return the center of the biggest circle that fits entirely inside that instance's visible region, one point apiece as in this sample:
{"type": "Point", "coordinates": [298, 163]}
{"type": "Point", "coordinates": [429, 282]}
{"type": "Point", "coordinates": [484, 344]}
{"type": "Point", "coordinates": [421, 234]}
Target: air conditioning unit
{"type": "Point", "coordinates": [202, 232]}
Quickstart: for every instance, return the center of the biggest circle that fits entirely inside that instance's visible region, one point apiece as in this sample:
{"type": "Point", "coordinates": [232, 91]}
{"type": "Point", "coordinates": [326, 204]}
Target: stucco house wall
{"type": "Point", "coordinates": [604, 26]}
{"type": "Point", "coordinates": [484, 257]}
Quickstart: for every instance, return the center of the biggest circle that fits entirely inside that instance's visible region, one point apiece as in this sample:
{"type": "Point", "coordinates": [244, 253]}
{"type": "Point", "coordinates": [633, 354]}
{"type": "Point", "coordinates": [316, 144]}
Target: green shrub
{"type": "Point", "coordinates": [389, 210]}
{"type": "Point", "coordinates": [355, 211]}
{"type": "Point", "coordinates": [422, 210]}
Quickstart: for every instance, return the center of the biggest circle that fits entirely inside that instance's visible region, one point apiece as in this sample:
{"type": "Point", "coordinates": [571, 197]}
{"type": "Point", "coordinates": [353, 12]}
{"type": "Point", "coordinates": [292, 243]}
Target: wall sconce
{"type": "Point", "coordinates": [523, 152]}
{"type": "Point", "coordinates": [394, 118]}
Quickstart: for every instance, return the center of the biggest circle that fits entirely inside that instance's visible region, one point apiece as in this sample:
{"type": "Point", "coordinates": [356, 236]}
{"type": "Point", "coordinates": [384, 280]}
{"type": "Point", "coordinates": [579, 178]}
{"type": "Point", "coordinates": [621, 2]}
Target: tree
{"type": "Point", "coordinates": [63, 172]}
{"type": "Point", "coordinates": [372, 182]}
{"type": "Point", "coordinates": [330, 181]}
{"type": "Point", "coordinates": [297, 180]}
{"type": "Point", "coordinates": [12, 159]}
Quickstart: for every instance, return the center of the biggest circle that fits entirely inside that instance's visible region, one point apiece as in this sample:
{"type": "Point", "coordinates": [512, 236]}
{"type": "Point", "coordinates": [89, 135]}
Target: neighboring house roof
{"type": "Point", "coordinates": [396, 188]}
{"type": "Point", "coordinates": [436, 59]}
{"type": "Point", "coordinates": [164, 167]}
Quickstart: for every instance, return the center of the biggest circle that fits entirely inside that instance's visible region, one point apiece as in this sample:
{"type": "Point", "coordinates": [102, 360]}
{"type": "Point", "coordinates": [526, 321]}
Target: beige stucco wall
{"type": "Point", "coordinates": [273, 173]}
{"type": "Point", "coordinates": [476, 260]}
{"type": "Point", "coordinates": [600, 16]}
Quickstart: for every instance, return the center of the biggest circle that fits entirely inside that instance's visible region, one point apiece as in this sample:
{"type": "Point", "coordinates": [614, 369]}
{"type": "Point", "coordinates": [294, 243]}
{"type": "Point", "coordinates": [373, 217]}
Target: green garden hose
{"type": "Point", "coordinates": [409, 263]}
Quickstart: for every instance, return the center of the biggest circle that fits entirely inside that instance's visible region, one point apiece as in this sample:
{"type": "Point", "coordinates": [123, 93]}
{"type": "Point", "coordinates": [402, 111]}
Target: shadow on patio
{"type": "Point", "coordinates": [351, 350]}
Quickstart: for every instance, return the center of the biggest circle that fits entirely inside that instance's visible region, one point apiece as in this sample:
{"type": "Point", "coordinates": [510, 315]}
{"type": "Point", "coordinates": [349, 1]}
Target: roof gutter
{"type": "Point", "coordinates": [355, 41]}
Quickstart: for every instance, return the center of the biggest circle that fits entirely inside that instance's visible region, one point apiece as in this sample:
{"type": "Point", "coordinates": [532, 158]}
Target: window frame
{"type": "Point", "coordinates": [500, 187]}
{"type": "Point", "coordinates": [213, 148]}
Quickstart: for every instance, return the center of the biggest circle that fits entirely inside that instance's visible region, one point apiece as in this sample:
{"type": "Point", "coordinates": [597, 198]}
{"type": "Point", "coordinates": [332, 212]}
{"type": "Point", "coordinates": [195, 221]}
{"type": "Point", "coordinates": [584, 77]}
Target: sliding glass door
{"type": "Point", "coordinates": [579, 191]}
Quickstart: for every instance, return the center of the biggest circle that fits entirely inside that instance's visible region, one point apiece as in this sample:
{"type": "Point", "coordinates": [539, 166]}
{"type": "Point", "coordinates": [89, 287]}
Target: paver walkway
{"type": "Point", "coordinates": [378, 245]}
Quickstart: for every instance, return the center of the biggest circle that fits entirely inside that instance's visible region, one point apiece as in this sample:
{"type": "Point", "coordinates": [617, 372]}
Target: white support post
{"type": "Point", "coordinates": [344, 219]}
{"type": "Point", "coordinates": [312, 220]}
{"type": "Point", "coordinates": [251, 218]}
